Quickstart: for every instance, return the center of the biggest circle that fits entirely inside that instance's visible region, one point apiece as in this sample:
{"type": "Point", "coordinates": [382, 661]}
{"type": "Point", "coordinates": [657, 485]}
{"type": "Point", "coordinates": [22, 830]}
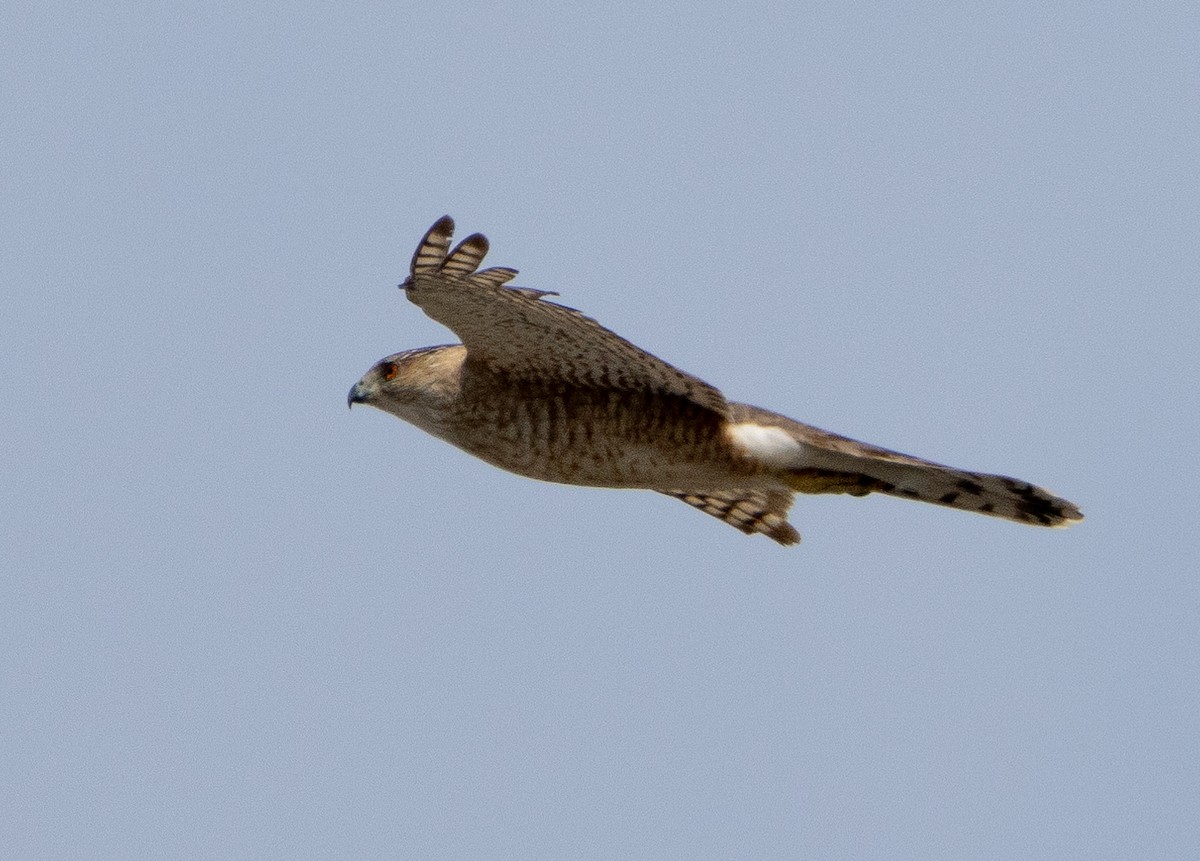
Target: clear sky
{"type": "Point", "coordinates": [237, 620]}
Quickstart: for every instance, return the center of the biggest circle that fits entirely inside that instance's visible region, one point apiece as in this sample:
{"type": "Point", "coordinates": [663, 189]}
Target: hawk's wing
{"type": "Point", "coordinates": [515, 330]}
{"type": "Point", "coordinates": [763, 511]}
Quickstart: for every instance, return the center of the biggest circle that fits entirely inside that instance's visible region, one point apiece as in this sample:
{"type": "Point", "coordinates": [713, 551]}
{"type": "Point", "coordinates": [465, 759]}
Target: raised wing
{"type": "Point", "coordinates": [514, 330]}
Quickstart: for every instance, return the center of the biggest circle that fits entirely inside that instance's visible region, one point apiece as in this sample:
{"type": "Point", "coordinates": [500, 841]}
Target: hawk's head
{"type": "Point", "coordinates": [416, 385]}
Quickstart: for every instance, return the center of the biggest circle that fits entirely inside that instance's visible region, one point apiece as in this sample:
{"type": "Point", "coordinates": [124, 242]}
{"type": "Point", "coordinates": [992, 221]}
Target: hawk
{"type": "Point", "coordinates": [539, 389]}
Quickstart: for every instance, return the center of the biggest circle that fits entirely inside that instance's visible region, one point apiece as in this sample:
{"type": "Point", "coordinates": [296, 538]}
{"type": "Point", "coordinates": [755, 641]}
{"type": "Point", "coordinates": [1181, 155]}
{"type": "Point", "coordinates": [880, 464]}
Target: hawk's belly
{"type": "Point", "coordinates": [602, 438]}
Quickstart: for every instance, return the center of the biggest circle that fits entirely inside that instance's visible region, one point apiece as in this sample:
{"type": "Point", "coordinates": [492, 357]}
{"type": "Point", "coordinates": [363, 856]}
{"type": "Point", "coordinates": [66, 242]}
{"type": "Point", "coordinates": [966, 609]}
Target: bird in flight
{"type": "Point", "coordinates": [539, 389]}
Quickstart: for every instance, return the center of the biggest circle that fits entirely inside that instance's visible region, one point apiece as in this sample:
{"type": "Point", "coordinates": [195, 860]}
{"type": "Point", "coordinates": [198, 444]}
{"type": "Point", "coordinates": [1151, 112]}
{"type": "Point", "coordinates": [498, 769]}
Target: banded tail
{"type": "Point", "coordinates": [811, 460]}
{"type": "Point", "coordinates": [994, 495]}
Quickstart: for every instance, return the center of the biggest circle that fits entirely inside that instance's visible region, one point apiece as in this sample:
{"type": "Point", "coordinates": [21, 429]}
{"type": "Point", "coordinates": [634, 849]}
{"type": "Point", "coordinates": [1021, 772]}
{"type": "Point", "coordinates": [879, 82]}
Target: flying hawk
{"type": "Point", "coordinates": [543, 391]}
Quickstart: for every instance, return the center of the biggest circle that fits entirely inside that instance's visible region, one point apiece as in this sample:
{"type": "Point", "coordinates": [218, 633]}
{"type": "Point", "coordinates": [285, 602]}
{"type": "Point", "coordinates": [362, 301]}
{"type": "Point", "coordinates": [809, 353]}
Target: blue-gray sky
{"type": "Point", "coordinates": [237, 620]}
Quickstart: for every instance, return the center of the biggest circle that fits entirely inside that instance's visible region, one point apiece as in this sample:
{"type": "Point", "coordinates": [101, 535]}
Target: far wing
{"type": "Point", "coordinates": [514, 330]}
{"type": "Point", "coordinates": [751, 511]}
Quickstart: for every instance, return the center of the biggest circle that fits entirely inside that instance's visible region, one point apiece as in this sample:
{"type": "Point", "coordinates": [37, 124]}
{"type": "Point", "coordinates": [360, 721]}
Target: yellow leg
{"type": "Point", "coordinates": [831, 481]}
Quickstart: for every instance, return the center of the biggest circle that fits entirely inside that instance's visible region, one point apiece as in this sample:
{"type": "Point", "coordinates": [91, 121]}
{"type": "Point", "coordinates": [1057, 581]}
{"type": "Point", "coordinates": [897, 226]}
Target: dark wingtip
{"type": "Point", "coordinates": [784, 534]}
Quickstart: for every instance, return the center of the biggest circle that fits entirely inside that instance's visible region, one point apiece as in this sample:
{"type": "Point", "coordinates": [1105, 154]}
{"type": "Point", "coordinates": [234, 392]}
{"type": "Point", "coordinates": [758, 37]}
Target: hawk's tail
{"type": "Point", "coordinates": [995, 495]}
{"type": "Point", "coordinates": [829, 463]}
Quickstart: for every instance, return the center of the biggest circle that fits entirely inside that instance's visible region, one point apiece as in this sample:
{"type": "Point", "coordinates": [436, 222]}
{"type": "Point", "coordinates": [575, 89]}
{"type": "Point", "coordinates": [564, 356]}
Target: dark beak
{"type": "Point", "coordinates": [356, 396]}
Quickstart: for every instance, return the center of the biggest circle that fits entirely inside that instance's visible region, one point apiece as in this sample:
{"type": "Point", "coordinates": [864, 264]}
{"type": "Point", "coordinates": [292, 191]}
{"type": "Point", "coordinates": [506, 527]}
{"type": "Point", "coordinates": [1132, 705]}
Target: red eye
{"type": "Point", "coordinates": [388, 370]}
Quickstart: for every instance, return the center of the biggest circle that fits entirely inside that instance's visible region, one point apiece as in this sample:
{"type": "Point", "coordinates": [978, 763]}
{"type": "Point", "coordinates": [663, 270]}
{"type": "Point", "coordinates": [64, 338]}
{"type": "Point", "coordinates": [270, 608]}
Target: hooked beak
{"type": "Point", "coordinates": [356, 396]}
